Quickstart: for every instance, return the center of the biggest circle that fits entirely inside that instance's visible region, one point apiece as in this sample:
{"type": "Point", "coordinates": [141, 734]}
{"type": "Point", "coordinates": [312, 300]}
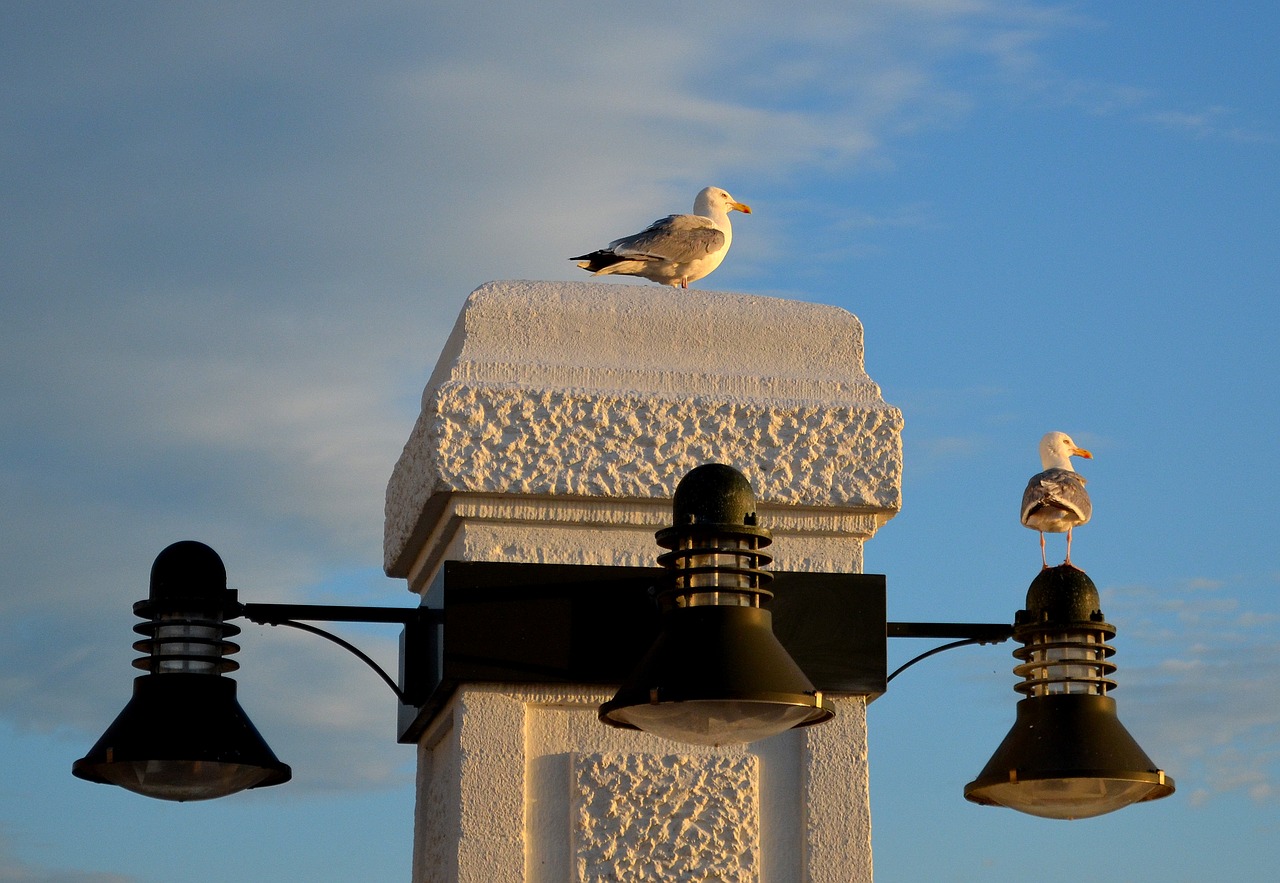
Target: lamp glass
{"type": "Point", "coordinates": [716, 721]}
{"type": "Point", "coordinates": [183, 779]}
{"type": "Point", "coordinates": [1074, 797]}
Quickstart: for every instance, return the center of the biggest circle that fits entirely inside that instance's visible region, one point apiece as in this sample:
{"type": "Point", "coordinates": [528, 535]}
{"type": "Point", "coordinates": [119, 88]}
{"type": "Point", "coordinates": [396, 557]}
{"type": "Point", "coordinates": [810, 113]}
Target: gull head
{"type": "Point", "coordinates": [1057, 449]}
{"type": "Point", "coordinates": [715, 200]}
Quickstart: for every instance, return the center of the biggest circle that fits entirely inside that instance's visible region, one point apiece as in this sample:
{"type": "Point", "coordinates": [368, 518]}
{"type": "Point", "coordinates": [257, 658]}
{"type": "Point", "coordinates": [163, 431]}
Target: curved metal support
{"type": "Point", "coordinates": [968, 633]}
{"type": "Point", "coordinates": [352, 648]}
{"type": "Point", "coordinates": [414, 619]}
{"type": "Point", "coordinates": [925, 655]}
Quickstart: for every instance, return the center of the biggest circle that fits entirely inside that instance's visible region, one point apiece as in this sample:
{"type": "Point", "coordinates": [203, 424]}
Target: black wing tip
{"type": "Point", "coordinates": [597, 260]}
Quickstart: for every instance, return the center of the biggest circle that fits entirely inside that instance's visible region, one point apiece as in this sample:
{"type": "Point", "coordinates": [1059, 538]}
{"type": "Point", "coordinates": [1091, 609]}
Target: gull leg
{"type": "Point", "coordinates": [1068, 561]}
{"type": "Point", "coordinates": [684, 283]}
{"type": "Point", "coordinates": [1043, 559]}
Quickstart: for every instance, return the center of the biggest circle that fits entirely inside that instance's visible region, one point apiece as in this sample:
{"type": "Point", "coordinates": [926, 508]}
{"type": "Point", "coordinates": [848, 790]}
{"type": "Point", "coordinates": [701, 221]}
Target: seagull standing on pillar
{"type": "Point", "coordinates": [1055, 500]}
{"type": "Point", "coordinates": [676, 250]}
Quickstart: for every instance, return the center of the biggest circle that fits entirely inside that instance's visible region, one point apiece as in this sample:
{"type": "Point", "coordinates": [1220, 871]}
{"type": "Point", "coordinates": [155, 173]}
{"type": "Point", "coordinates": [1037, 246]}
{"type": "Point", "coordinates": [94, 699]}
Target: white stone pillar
{"type": "Point", "coordinates": [554, 429]}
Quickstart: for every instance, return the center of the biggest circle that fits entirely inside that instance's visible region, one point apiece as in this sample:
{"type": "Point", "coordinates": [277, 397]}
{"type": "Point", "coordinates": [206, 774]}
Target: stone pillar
{"type": "Point", "coordinates": [554, 429]}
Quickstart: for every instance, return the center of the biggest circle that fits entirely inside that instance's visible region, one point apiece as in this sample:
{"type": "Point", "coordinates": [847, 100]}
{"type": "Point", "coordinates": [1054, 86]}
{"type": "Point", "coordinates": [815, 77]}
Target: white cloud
{"type": "Point", "coordinates": [14, 870]}
{"type": "Point", "coordinates": [1210, 122]}
{"type": "Point", "coordinates": [1201, 677]}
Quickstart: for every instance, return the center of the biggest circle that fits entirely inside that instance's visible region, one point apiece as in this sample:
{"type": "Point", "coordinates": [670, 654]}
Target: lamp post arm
{"type": "Point", "coordinates": [967, 633]}
{"type": "Point", "coordinates": [979, 632]}
{"type": "Point", "coordinates": [277, 614]}
{"type": "Point", "coordinates": [291, 614]}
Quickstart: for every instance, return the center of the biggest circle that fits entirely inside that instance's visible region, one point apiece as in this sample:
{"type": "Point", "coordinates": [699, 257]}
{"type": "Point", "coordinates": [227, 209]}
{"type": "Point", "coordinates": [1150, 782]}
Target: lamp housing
{"type": "Point", "coordinates": [716, 674]}
{"type": "Point", "coordinates": [1067, 755]}
{"type": "Point", "coordinates": [183, 735]}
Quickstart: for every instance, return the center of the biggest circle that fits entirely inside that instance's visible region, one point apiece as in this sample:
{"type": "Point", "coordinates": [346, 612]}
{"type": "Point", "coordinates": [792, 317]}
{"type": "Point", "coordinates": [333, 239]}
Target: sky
{"type": "Point", "coordinates": [235, 237]}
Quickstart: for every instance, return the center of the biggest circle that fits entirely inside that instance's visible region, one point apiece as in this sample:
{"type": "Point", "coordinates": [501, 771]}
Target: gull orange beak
{"type": "Point", "coordinates": [1081, 452]}
{"type": "Point", "coordinates": [741, 206]}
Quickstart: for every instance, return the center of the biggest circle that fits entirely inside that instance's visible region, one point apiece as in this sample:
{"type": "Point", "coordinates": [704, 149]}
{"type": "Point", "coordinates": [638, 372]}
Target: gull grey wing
{"type": "Point", "coordinates": [675, 238]}
{"type": "Point", "coordinates": [1060, 489]}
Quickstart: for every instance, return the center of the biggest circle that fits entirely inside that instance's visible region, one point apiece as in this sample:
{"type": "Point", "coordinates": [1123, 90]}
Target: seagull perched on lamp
{"type": "Point", "coordinates": [1055, 500]}
{"type": "Point", "coordinates": [675, 250]}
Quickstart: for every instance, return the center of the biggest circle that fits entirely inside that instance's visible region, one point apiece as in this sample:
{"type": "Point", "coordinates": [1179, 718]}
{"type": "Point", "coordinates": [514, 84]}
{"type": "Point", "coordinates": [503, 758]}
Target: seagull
{"type": "Point", "coordinates": [675, 250]}
{"type": "Point", "coordinates": [1055, 500]}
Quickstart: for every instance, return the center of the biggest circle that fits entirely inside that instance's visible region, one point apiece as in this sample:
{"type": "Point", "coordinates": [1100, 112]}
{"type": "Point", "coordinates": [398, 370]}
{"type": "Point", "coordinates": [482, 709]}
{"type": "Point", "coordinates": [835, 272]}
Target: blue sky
{"type": "Point", "coordinates": [235, 237]}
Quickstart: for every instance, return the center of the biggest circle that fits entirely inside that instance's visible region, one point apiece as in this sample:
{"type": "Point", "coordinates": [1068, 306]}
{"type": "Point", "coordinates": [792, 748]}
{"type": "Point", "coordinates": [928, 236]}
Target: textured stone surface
{"type": "Point", "coordinates": [524, 784]}
{"type": "Point", "coordinates": [437, 830]}
{"type": "Point", "coordinates": [471, 796]}
{"type": "Point", "coordinates": [836, 797]}
{"type": "Point", "coordinates": [597, 391]}
{"type": "Point", "coordinates": [647, 818]}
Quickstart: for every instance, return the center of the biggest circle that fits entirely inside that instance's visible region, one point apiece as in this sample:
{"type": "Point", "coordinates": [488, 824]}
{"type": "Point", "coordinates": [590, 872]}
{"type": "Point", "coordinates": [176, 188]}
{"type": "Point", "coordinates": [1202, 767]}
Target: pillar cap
{"type": "Point", "coordinates": [608, 394]}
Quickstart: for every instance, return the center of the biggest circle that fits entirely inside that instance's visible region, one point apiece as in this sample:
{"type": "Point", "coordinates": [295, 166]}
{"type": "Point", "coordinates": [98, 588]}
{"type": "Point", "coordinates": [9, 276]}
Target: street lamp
{"type": "Point", "coordinates": [723, 659]}
{"type": "Point", "coordinates": [716, 673]}
{"type": "Point", "coordinates": [184, 736]}
{"type": "Point", "coordinates": [1067, 755]}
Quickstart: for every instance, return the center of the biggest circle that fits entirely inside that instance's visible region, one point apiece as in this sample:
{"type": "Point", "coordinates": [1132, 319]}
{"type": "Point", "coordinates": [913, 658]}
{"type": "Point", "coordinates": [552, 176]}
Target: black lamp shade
{"type": "Point", "coordinates": [716, 675]}
{"type": "Point", "coordinates": [1068, 757]}
{"type": "Point", "coordinates": [182, 737]}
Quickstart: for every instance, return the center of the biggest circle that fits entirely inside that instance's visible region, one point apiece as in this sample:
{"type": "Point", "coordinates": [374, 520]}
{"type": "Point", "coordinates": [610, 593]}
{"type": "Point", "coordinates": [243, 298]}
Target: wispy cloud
{"type": "Point", "coordinates": [1210, 122]}
{"type": "Point", "coordinates": [1200, 671]}
{"type": "Point", "coordinates": [1143, 106]}
{"type": "Point", "coordinates": [15, 870]}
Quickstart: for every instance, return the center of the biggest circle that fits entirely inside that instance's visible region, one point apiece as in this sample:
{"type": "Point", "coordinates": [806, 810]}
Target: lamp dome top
{"type": "Point", "coordinates": [714, 493]}
{"type": "Point", "coordinates": [1063, 594]}
{"type": "Point", "coordinates": [188, 569]}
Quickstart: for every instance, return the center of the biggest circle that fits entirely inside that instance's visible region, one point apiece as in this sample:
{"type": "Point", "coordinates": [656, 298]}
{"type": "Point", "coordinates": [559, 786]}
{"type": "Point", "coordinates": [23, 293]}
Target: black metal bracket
{"type": "Point", "coordinates": [967, 633]}
{"type": "Point", "coordinates": [589, 624]}
{"type": "Point", "coordinates": [417, 622]}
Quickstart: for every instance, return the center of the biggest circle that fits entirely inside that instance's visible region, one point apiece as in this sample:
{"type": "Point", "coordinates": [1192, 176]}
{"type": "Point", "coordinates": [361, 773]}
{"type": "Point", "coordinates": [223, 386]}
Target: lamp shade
{"type": "Point", "coordinates": [182, 737]}
{"type": "Point", "coordinates": [716, 675]}
{"type": "Point", "coordinates": [1068, 757]}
